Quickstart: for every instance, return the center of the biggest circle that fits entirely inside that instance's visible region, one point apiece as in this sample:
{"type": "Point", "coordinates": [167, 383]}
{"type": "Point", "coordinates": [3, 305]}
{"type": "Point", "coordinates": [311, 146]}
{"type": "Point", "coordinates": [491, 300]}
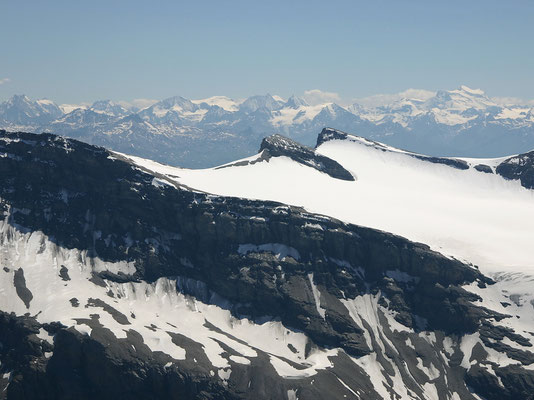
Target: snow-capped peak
{"type": "Point", "coordinates": [108, 107]}
{"type": "Point", "coordinates": [21, 100]}
{"type": "Point", "coordinates": [68, 108]}
{"type": "Point", "coordinates": [21, 109]}
{"type": "Point", "coordinates": [173, 107]}
{"type": "Point", "coordinates": [255, 103]}
{"type": "Point", "coordinates": [478, 92]}
{"type": "Point", "coordinates": [176, 102]}
{"type": "Point", "coordinates": [18, 99]}
{"type": "Point", "coordinates": [226, 103]}
{"type": "Point", "coordinates": [460, 99]}
{"type": "Point", "coordinates": [296, 102]}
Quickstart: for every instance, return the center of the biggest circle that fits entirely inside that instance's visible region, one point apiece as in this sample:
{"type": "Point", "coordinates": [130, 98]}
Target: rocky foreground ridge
{"type": "Point", "coordinates": [352, 312]}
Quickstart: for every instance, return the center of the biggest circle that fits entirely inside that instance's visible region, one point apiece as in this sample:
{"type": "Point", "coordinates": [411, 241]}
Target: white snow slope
{"type": "Point", "coordinates": [477, 217]}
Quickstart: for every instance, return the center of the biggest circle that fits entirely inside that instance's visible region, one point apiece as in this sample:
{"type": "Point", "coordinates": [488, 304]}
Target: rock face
{"type": "Point", "coordinates": [484, 168]}
{"type": "Point", "coordinates": [276, 146]}
{"type": "Point", "coordinates": [164, 292]}
{"type": "Point", "coordinates": [280, 146]}
{"type": "Point", "coordinates": [519, 167]}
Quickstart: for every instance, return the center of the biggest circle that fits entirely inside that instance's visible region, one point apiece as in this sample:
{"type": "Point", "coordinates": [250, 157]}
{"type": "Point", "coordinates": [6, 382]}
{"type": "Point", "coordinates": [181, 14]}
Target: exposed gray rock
{"type": "Point", "coordinates": [519, 167]}
{"type": "Point", "coordinates": [64, 273]}
{"type": "Point", "coordinates": [20, 285]}
{"type": "Point", "coordinates": [484, 168]}
{"type": "Point", "coordinates": [277, 145]}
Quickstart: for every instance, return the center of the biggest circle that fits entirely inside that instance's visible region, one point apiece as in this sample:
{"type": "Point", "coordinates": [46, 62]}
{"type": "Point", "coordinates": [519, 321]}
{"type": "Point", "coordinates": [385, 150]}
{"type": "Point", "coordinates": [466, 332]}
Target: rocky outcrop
{"type": "Point", "coordinates": [484, 168]}
{"type": "Point", "coordinates": [277, 146]}
{"type": "Point", "coordinates": [519, 167]}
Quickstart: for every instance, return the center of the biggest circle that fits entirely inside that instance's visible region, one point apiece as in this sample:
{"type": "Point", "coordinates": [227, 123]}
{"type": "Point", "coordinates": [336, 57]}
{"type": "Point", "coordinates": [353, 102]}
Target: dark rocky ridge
{"type": "Point", "coordinates": [278, 146]}
{"type": "Point", "coordinates": [519, 167]}
{"type": "Point", "coordinates": [73, 190]}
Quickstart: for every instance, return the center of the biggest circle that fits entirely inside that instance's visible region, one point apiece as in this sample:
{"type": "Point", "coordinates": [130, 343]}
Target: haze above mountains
{"type": "Point", "coordinates": [207, 132]}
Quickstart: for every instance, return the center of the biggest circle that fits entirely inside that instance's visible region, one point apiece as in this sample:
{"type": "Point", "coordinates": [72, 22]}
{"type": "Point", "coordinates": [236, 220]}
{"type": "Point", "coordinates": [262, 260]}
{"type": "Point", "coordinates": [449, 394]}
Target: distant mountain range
{"type": "Point", "coordinates": [201, 133]}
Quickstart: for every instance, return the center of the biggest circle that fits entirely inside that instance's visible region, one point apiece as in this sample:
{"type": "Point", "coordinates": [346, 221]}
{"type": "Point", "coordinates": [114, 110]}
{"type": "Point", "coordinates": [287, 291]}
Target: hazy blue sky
{"type": "Point", "coordinates": [72, 51]}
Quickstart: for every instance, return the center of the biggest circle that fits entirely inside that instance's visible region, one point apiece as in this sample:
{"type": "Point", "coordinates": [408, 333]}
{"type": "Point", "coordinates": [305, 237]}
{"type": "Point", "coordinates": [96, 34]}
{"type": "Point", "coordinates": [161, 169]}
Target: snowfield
{"type": "Point", "coordinates": [477, 217]}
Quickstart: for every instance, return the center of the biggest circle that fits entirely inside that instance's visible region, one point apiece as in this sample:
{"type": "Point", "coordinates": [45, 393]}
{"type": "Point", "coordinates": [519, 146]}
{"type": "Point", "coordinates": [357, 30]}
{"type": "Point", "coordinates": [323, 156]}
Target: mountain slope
{"type": "Point", "coordinates": [446, 203]}
{"type": "Point", "coordinates": [125, 282]}
{"type": "Point", "coordinates": [21, 110]}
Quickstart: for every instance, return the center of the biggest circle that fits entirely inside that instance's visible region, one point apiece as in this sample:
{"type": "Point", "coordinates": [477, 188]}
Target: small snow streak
{"type": "Point", "coordinates": [317, 297]}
